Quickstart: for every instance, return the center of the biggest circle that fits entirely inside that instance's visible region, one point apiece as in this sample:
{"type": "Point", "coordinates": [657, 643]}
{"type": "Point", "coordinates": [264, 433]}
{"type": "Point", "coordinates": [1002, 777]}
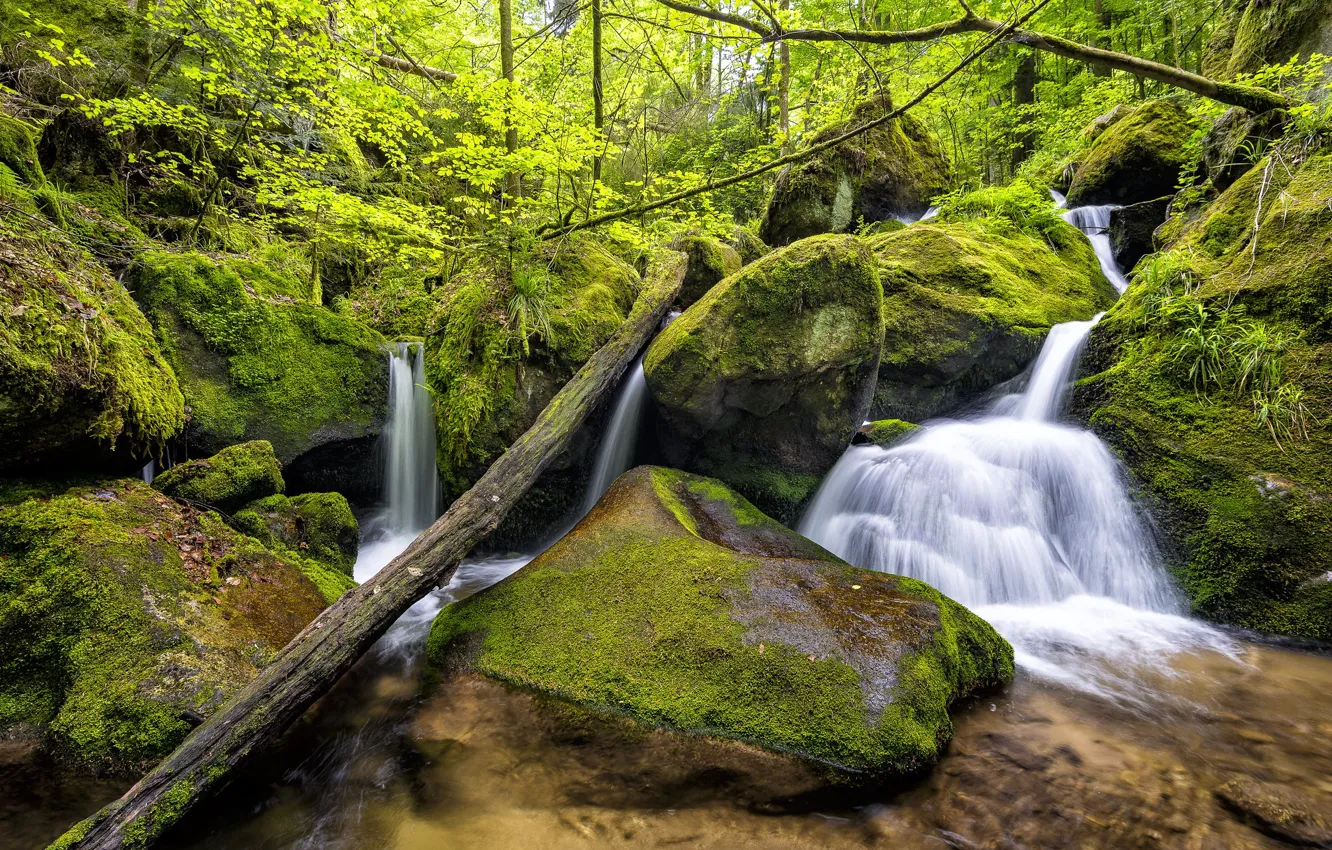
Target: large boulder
{"type": "Point", "coordinates": [128, 618]}
{"type": "Point", "coordinates": [257, 356]}
{"type": "Point", "coordinates": [1138, 158]}
{"type": "Point", "coordinates": [489, 386]}
{"type": "Point", "coordinates": [893, 170]}
{"type": "Point", "coordinates": [1236, 140]}
{"type": "Point", "coordinates": [1252, 33]}
{"type": "Point", "coordinates": [968, 299]}
{"type": "Point", "coordinates": [319, 525]}
{"type": "Point", "coordinates": [709, 260]}
{"type": "Point", "coordinates": [80, 371]}
{"type": "Point", "coordinates": [679, 604]}
{"type": "Point", "coordinates": [1132, 231]}
{"type": "Point", "coordinates": [1233, 457]}
{"type": "Point", "coordinates": [763, 382]}
{"type": "Point", "coordinates": [229, 479]}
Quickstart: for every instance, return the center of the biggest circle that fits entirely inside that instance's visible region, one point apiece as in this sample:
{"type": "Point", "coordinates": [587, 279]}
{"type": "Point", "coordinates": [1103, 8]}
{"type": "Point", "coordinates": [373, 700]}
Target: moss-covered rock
{"type": "Point", "coordinates": [489, 389]}
{"type": "Point", "coordinates": [892, 170]}
{"type": "Point", "coordinates": [763, 381]}
{"type": "Point", "coordinates": [79, 365]}
{"type": "Point", "coordinates": [967, 304]}
{"type": "Point", "coordinates": [229, 479]}
{"type": "Point", "coordinates": [1252, 33]}
{"type": "Point", "coordinates": [746, 242]}
{"type": "Point", "coordinates": [885, 432]}
{"type": "Point", "coordinates": [319, 525]}
{"type": "Point", "coordinates": [18, 152]}
{"type": "Point", "coordinates": [1132, 231]}
{"type": "Point", "coordinates": [679, 604]}
{"type": "Point", "coordinates": [257, 356]}
{"type": "Point", "coordinates": [709, 261]}
{"type": "Point", "coordinates": [1243, 505]}
{"type": "Point", "coordinates": [1236, 140]}
{"type": "Point", "coordinates": [127, 618]}
{"type": "Point", "coordinates": [1138, 158]}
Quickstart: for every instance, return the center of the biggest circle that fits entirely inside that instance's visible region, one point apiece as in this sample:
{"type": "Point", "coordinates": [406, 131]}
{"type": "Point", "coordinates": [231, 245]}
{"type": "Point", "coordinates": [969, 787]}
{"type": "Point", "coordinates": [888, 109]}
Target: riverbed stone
{"type": "Point", "coordinates": [1278, 811]}
{"type": "Point", "coordinates": [1138, 158]}
{"type": "Point", "coordinates": [679, 604]}
{"type": "Point", "coordinates": [763, 382]}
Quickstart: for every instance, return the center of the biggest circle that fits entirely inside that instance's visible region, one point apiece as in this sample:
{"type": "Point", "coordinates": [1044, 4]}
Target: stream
{"type": "Point", "coordinates": [1124, 725]}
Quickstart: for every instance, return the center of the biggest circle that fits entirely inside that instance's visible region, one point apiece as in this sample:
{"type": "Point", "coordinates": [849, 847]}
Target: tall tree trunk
{"type": "Point", "coordinates": [1024, 97]}
{"type": "Point", "coordinates": [306, 668]}
{"type": "Point", "coordinates": [598, 104]}
{"type": "Point", "coordinates": [784, 88]}
{"type": "Point", "coordinates": [1102, 39]}
{"type": "Point", "coordinates": [515, 179]}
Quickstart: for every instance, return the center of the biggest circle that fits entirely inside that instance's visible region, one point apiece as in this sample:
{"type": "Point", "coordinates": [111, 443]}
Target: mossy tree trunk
{"type": "Point", "coordinates": [314, 660]}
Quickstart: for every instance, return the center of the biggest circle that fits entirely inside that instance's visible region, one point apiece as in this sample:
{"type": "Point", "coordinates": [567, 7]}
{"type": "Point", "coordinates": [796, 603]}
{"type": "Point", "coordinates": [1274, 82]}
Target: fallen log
{"type": "Point", "coordinates": [307, 667]}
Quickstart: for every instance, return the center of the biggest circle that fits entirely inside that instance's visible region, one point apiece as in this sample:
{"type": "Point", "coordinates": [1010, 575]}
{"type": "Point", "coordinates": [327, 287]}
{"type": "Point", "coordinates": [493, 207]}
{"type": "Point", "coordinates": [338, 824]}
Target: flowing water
{"type": "Point", "coordinates": [1095, 222]}
{"type": "Point", "coordinates": [616, 453]}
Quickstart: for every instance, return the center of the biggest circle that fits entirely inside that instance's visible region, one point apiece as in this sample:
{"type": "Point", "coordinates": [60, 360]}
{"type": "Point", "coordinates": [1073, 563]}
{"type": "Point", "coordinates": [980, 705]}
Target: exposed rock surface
{"type": "Point", "coordinates": [679, 604]}
{"type": "Point", "coordinates": [1131, 231]}
{"type": "Point", "coordinates": [710, 260]}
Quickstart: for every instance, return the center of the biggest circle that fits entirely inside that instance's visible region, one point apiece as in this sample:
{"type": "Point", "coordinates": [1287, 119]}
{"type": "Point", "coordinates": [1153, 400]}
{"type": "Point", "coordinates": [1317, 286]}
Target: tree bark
{"type": "Point", "coordinates": [784, 88]}
{"type": "Point", "coordinates": [411, 67]}
{"type": "Point", "coordinates": [1024, 98]}
{"type": "Point", "coordinates": [515, 180]}
{"type": "Point", "coordinates": [307, 667]}
{"type": "Point", "coordinates": [598, 104]}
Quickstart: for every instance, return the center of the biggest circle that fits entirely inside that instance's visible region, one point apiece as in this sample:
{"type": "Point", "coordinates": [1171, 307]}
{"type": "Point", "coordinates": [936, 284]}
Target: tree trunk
{"type": "Point", "coordinates": [306, 668]}
{"type": "Point", "coordinates": [784, 88]}
{"type": "Point", "coordinates": [598, 104]}
{"type": "Point", "coordinates": [515, 184]}
{"type": "Point", "coordinates": [1102, 40]}
{"type": "Point", "coordinates": [1024, 98]}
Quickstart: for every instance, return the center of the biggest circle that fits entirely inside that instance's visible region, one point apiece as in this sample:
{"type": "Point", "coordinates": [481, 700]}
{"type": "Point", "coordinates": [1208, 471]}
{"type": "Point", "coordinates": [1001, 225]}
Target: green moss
{"type": "Point", "coordinates": [747, 243]}
{"type": "Point", "coordinates": [710, 260]}
{"type": "Point", "coordinates": [231, 478]}
{"type": "Point", "coordinates": [169, 809]}
{"type": "Point", "coordinates": [888, 432]}
{"type": "Point", "coordinates": [257, 357]}
{"type": "Point", "coordinates": [660, 606]}
{"type": "Point", "coordinates": [319, 525]}
{"type": "Point", "coordinates": [130, 617]}
{"type": "Point", "coordinates": [77, 360]}
{"type": "Point", "coordinates": [1138, 158]}
{"type": "Point", "coordinates": [1255, 32]}
{"type": "Point", "coordinates": [18, 152]}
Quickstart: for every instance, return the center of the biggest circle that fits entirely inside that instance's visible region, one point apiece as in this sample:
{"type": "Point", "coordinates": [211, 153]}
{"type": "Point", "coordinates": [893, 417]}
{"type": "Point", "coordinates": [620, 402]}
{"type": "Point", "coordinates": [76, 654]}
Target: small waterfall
{"type": "Point", "coordinates": [617, 445]}
{"type": "Point", "coordinates": [1054, 365]}
{"type": "Point", "coordinates": [1095, 222]}
{"type": "Point", "coordinates": [1059, 199]}
{"type": "Point", "coordinates": [149, 472]}
{"type": "Point", "coordinates": [411, 482]}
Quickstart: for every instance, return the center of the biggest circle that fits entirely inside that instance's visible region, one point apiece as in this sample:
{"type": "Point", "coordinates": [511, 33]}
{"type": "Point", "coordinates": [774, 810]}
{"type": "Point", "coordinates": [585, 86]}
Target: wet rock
{"type": "Point", "coordinates": [763, 382]}
{"type": "Point", "coordinates": [321, 525]}
{"type": "Point", "coordinates": [229, 479]}
{"type": "Point", "coordinates": [677, 603]}
{"type": "Point", "coordinates": [884, 433]}
{"type": "Point", "coordinates": [1279, 812]}
{"type": "Point", "coordinates": [709, 261]}
{"type": "Point", "coordinates": [1138, 158]}
{"type": "Point", "coordinates": [1013, 750]}
{"type": "Point", "coordinates": [1131, 231]}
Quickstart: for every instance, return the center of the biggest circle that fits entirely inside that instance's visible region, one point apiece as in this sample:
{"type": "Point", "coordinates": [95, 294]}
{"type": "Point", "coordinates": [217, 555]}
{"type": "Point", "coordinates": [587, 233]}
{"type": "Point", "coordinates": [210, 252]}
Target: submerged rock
{"type": "Point", "coordinates": [227, 480]}
{"type": "Point", "coordinates": [710, 260]}
{"type": "Point", "coordinates": [1138, 158]}
{"type": "Point", "coordinates": [763, 382]}
{"type": "Point", "coordinates": [1277, 811]}
{"type": "Point", "coordinates": [1237, 477]}
{"type": "Point", "coordinates": [892, 170]}
{"type": "Point", "coordinates": [679, 604]}
{"type": "Point", "coordinates": [967, 304]}
{"type": "Point", "coordinates": [128, 618]}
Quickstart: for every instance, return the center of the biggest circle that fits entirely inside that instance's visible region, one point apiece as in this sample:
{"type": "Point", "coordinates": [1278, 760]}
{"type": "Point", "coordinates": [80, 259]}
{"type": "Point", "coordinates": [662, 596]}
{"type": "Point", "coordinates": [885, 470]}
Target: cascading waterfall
{"type": "Point", "coordinates": [1095, 222]}
{"type": "Point", "coordinates": [617, 445]}
{"type": "Point", "coordinates": [1025, 520]}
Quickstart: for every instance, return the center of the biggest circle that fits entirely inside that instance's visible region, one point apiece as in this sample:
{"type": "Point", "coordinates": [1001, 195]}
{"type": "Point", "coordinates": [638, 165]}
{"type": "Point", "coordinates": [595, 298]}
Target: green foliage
{"type": "Point", "coordinates": [529, 305]}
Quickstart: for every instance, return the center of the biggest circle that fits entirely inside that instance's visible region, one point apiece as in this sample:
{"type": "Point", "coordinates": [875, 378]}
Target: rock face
{"type": "Point", "coordinates": [1131, 231]}
{"type": "Point", "coordinates": [1254, 32]}
{"type": "Point", "coordinates": [763, 382]}
{"type": "Point", "coordinates": [967, 304]}
{"type": "Point", "coordinates": [679, 604]}
{"type": "Point", "coordinates": [1237, 473]}
{"type": "Point", "coordinates": [892, 170]}
{"type": "Point", "coordinates": [1138, 158]}
{"type": "Point", "coordinates": [128, 618]}
{"type": "Point", "coordinates": [1235, 141]}
{"type": "Point", "coordinates": [710, 260]}
{"type": "Point", "coordinates": [258, 357]}
{"type": "Point", "coordinates": [227, 480]}
{"type": "Point", "coordinates": [79, 367]}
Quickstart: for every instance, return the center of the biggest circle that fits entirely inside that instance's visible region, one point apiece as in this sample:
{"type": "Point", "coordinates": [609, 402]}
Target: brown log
{"type": "Point", "coordinates": [306, 668]}
{"type": "Point", "coordinates": [412, 67]}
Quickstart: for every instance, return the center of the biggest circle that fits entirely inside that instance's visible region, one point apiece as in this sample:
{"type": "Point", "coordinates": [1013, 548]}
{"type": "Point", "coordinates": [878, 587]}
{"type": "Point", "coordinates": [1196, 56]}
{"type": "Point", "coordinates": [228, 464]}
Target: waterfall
{"type": "Point", "coordinates": [149, 472]}
{"type": "Point", "coordinates": [1059, 199]}
{"type": "Point", "coordinates": [617, 445]}
{"type": "Point", "coordinates": [1025, 520]}
{"type": "Point", "coordinates": [1095, 221]}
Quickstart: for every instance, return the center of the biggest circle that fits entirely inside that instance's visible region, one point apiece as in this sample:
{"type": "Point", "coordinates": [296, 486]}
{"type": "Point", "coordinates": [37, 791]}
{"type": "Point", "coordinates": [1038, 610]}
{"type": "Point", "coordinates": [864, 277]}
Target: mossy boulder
{"type": "Point", "coordinates": [967, 304]}
{"type": "Point", "coordinates": [489, 387]}
{"type": "Point", "coordinates": [885, 432]}
{"type": "Point", "coordinates": [1243, 505]}
{"type": "Point", "coordinates": [318, 525]}
{"type": "Point", "coordinates": [1236, 140]}
{"type": "Point", "coordinates": [892, 170]}
{"type": "Point", "coordinates": [764, 380]}
{"type": "Point", "coordinates": [18, 152]}
{"type": "Point", "coordinates": [1252, 33]}
{"type": "Point", "coordinates": [709, 260]}
{"type": "Point", "coordinates": [229, 479]}
{"type": "Point", "coordinates": [676, 602]}
{"type": "Point", "coordinates": [1138, 158]}
{"type": "Point", "coordinates": [746, 242]}
{"type": "Point", "coordinates": [128, 618]}
{"type": "Point", "coordinates": [258, 357]}
{"type": "Point", "coordinates": [80, 370]}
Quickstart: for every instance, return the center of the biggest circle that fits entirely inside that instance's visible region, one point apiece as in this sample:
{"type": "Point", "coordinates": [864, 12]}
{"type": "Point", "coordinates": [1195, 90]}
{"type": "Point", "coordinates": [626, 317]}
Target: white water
{"type": "Point", "coordinates": [1095, 221]}
{"type": "Point", "coordinates": [617, 444]}
{"type": "Point", "coordinates": [1026, 521]}
{"type": "Point", "coordinates": [1059, 199]}
{"type": "Point", "coordinates": [149, 472]}
{"type": "Point", "coordinates": [411, 483]}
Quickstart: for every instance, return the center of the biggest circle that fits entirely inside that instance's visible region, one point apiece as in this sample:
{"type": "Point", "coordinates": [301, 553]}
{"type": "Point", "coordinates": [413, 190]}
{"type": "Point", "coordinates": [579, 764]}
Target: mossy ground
{"type": "Point", "coordinates": [1248, 518]}
{"type": "Point", "coordinates": [659, 606]}
{"type": "Point", "coordinates": [129, 617]}
{"type": "Point", "coordinates": [256, 354]}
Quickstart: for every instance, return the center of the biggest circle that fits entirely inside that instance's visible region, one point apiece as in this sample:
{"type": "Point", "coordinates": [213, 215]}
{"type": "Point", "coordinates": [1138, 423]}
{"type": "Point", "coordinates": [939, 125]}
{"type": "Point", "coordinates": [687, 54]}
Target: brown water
{"type": "Point", "coordinates": [474, 765]}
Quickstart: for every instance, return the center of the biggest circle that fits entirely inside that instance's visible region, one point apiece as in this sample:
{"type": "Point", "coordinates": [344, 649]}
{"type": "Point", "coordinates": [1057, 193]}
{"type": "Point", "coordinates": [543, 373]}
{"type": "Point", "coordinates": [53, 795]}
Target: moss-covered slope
{"type": "Point", "coordinates": [968, 301]}
{"type": "Point", "coordinates": [1138, 158]}
{"type": "Point", "coordinates": [763, 381]}
{"type": "Point", "coordinates": [1243, 501]}
{"type": "Point", "coordinates": [257, 356]}
{"type": "Point", "coordinates": [678, 603]}
{"type": "Point", "coordinates": [1251, 33]}
{"type": "Point", "coordinates": [127, 618]}
{"type": "Point", "coordinates": [892, 170]}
